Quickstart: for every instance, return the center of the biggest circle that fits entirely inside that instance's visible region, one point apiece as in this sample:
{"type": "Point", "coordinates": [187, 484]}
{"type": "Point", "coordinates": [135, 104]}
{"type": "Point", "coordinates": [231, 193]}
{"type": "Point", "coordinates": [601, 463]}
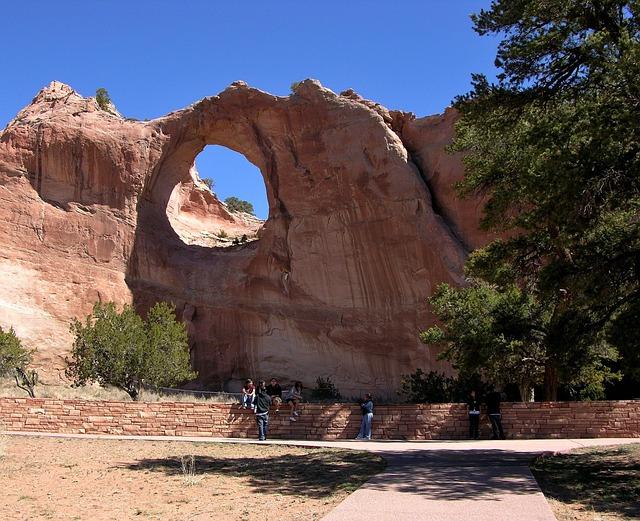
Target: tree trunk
{"type": "Point", "coordinates": [526, 392]}
{"type": "Point", "coordinates": [550, 382]}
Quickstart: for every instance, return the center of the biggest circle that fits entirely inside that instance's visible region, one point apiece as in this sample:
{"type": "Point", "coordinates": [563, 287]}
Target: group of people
{"type": "Point", "coordinates": [261, 398]}
{"type": "Point", "coordinates": [493, 411]}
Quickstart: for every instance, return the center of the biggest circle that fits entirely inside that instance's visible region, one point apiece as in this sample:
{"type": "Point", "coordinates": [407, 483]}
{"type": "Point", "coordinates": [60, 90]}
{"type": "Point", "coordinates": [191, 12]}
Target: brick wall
{"type": "Point", "coordinates": [339, 421]}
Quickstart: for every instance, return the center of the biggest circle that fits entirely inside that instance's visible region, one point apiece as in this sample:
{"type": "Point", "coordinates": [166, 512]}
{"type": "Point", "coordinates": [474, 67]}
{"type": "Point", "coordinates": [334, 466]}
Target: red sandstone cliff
{"type": "Point", "coordinates": [363, 224]}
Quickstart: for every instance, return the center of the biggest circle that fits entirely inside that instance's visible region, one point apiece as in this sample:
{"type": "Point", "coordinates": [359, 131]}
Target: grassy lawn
{"type": "Point", "coordinates": [600, 483]}
{"type": "Point", "coordinates": [78, 479]}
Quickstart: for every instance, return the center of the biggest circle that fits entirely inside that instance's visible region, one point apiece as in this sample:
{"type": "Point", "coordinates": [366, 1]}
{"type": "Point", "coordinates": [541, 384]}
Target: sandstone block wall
{"type": "Point", "coordinates": [336, 421]}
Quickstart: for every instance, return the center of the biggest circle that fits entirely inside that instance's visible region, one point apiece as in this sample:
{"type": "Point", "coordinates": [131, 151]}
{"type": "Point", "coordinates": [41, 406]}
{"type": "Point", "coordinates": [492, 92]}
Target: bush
{"type": "Point", "coordinates": [238, 205]}
{"type": "Point", "coordinates": [122, 350]}
{"type": "Point", "coordinates": [12, 354]}
{"type": "Point", "coordinates": [209, 183]}
{"type": "Point", "coordinates": [223, 234]}
{"type": "Point", "coordinates": [15, 360]}
{"type": "Point", "coordinates": [325, 390]}
{"type": "Point", "coordinates": [103, 99]}
{"type": "Point", "coordinates": [434, 387]}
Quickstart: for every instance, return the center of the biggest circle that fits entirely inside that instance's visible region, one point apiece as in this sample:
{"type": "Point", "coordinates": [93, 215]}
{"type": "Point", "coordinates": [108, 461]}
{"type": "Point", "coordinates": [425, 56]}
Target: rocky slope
{"type": "Point", "coordinates": [363, 224]}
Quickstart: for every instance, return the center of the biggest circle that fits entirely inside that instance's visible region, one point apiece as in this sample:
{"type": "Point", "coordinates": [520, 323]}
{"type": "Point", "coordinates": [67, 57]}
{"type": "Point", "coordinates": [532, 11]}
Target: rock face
{"type": "Point", "coordinates": [363, 224]}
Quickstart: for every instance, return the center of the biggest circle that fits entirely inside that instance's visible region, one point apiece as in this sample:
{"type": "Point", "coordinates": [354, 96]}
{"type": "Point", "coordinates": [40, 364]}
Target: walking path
{"type": "Point", "coordinates": [433, 480]}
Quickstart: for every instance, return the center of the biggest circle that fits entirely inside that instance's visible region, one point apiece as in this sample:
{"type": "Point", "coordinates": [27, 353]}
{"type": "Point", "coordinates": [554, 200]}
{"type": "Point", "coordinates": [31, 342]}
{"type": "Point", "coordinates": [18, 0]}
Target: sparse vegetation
{"type": "Point", "coordinates": [188, 466]}
{"type": "Point", "coordinates": [103, 99]}
{"type": "Point", "coordinates": [209, 183]}
{"type": "Point", "coordinates": [238, 480]}
{"type": "Point", "coordinates": [240, 240]}
{"type": "Point", "coordinates": [125, 351]}
{"type": "Point", "coordinates": [295, 85]}
{"type": "Point", "coordinates": [222, 234]}
{"type": "Point", "coordinates": [239, 205]}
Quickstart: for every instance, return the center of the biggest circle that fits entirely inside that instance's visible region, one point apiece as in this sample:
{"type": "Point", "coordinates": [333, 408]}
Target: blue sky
{"type": "Point", "coordinates": [154, 56]}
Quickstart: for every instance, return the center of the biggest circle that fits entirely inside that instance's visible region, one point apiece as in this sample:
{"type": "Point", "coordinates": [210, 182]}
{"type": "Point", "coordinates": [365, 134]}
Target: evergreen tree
{"type": "Point", "coordinates": [554, 145]}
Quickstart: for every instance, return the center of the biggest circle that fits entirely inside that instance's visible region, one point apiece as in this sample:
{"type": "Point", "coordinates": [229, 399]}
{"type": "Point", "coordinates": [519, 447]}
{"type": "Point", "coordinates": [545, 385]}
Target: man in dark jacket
{"type": "Point", "coordinates": [493, 410]}
{"type": "Point", "coordinates": [262, 404]}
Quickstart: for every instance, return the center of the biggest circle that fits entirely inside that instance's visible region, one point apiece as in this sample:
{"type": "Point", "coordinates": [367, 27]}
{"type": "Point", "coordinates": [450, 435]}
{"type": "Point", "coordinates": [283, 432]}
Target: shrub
{"type": "Point", "coordinates": [103, 99]}
{"type": "Point", "coordinates": [434, 387]}
{"type": "Point", "coordinates": [122, 350]}
{"type": "Point", "coordinates": [210, 183]}
{"type": "Point", "coordinates": [15, 360]}
{"type": "Point", "coordinates": [325, 390]}
{"type": "Point", "coordinates": [12, 354]}
{"type": "Point", "coordinates": [295, 85]}
{"type": "Point", "coordinates": [238, 205]}
{"type": "Point", "coordinates": [223, 234]}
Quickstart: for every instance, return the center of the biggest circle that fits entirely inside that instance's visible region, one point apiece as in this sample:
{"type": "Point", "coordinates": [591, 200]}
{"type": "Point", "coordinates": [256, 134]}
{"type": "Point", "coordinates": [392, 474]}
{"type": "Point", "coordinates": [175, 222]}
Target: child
{"type": "Point", "coordinates": [248, 394]}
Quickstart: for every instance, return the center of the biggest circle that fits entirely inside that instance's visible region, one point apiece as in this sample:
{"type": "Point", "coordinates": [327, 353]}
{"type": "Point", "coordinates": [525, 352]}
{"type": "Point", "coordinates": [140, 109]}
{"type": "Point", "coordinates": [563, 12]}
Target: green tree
{"type": "Point", "coordinates": [554, 146]}
{"type": "Point", "coordinates": [123, 350]}
{"type": "Point", "coordinates": [12, 354]}
{"type": "Point", "coordinates": [238, 205]}
{"type": "Point", "coordinates": [498, 335]}
{"type": "Point", "coordinates": [103, 99]}
{"type": "Point", "coordinates": [15, 360]}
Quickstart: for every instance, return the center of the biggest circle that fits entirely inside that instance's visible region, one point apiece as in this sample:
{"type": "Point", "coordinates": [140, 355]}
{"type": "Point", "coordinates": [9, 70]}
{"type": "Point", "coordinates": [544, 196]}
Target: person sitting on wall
{"type": "Point", "coordinates": [248, 394]}
{"type": "Point", "coordinates": [473, 405]}
{"type": "Point", "coordinates": [493, 410]}
{"type": "Point", "coordinates": [366, 406]}
{"type": "Point", "coordinates": [263, 402]}
{"type": "Point", "coordinates": [275, 393]}
{"type": "Point", "coordinates": [294, 396]}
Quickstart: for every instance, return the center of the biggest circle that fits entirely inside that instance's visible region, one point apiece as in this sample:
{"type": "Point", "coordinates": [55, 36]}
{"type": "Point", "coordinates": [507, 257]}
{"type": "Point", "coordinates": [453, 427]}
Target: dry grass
{"type": "Point", "coordinates": [54, 478]}
{"type": "Point", "coordinates": [189, 475]}
{"type": "Point", "coordinates": [95, 392]}
{"type": "Point", "coordinates": [592, 484]}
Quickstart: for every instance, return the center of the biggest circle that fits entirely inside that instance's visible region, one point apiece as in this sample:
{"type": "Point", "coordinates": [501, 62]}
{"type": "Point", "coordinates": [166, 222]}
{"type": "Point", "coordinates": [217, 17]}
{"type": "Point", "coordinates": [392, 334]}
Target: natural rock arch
{"type": "Point", "coordinates": [362, 226]}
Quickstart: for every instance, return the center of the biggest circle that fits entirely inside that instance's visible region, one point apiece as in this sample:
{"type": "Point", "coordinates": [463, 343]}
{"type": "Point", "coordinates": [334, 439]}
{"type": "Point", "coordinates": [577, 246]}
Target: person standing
{"type": "Point", "coordinates": [366, 406]}
{"type": "Point", "coordinates": [262, 404]}
{"type": "Point", "coordinates": [473, 405]}
{"type": "Point", "coordinates": [493, 410]}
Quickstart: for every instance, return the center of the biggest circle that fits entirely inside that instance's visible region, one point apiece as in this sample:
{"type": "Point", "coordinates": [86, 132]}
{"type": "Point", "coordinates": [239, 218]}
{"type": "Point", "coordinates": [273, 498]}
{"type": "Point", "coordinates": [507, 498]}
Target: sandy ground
{"type": "Point", "coordinates": [76, 479]}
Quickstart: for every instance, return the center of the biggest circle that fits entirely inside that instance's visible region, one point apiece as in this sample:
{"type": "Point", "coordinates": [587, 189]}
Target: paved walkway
{"type": "Point", "coordinates": [434, 480]}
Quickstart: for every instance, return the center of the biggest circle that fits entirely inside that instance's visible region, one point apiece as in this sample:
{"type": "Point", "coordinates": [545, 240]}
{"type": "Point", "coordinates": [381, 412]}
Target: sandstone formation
{"type": "Point", "coordinates": [363, 224]}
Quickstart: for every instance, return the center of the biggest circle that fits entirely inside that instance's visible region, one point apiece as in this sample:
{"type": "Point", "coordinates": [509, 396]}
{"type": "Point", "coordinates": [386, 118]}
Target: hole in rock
{"type": "Point", "coordinates": [222, 202]}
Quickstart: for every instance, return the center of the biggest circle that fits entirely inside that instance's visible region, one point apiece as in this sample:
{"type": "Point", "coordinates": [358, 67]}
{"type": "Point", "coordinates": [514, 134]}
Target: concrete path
{"type": "Point", "coordinates": [433, 480]}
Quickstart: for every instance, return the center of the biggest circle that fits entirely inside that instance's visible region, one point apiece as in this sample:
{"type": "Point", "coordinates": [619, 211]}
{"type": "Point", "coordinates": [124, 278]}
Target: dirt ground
{"type": "Point", "coordinates": [77, 479]}
{"type": "Point", "coordinates": [595, 484]}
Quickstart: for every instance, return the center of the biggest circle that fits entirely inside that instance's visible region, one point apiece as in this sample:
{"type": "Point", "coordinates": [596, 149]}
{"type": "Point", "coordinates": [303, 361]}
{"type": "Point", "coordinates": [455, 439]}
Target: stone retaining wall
{"type": "Point", "coordinates": [337, 421]}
